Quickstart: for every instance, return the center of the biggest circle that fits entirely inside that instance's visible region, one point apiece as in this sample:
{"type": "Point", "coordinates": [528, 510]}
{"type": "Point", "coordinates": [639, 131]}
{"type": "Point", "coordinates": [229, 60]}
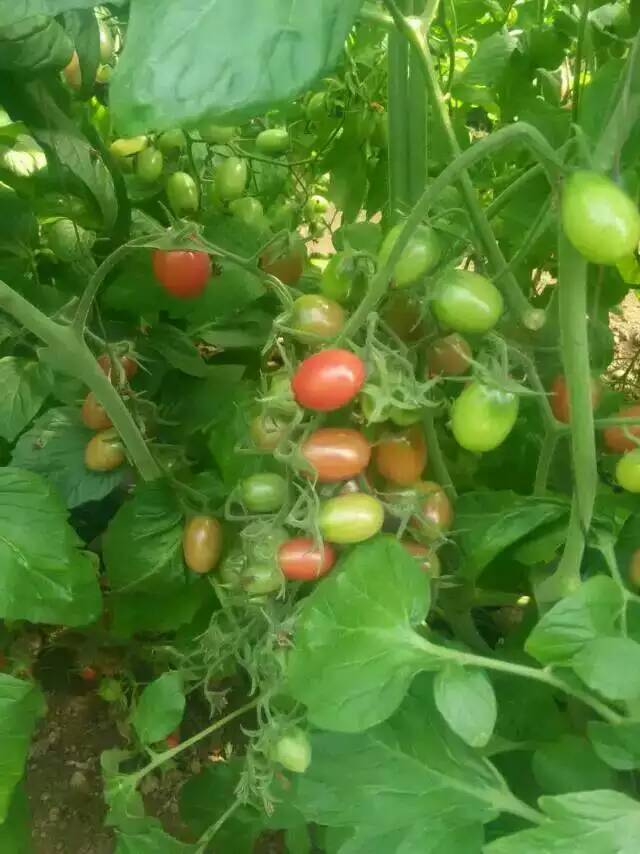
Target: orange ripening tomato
{"type": "Point", "coordinates": [401, 457]}
{"type": "Point", "coordinates": [94, 415]}
{"type": "Point", "coordinates": [336, 453]}
{"type": "Point", "coordinates": [129, 366]}
{"type": "Point", "coordinates": [615, 438]}
{"type": "Point", "coordinates": [450, 356]}
{"type": "Point", "coordinates": [436, 511]}
{"type": "Point", "coordinates": [301, 559]}
{"type": "Point", "coordinates": [560, 397]}
{"type": "Point", "coordinates": [202, 543]}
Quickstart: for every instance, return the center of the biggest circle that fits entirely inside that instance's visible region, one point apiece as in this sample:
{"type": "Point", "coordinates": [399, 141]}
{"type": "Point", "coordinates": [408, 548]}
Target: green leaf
{"type": "Point", "coordinates": [485, 69]}
{"type": "Point", "coordinates": [160, 708]}
{"type": "Point", "coordinates": [197, 404]}
{"type": "Point", "coordinates": [616, 744]}
{"type": "Point", "coordinates": [25, 384]}
{"type": "Point", "coordinates": [570, 764]}
{"type": "Point", "coordinates": [44, 577]}
{"type": "Point", "coordinates": [278, 50]}
{"type": "Point", "coordinates": [593, 610]}
{"type": "Point", "coordinates": [529, 711]}
{"type": "Point", "coordinates": [490, 522]}
{"type": "Point", "coordinates": [355, 653]}
{"type": "Point", "coordinates": [467, 702]}
{"type": "Point", "coordinates": [126, 808]}
{"type": "Point", "coordinates": [54, 447]}
{"type": "Point", "coordinates": [21, 704]}
{"type": "Point", "coordinates": [34, 44]}
{"type": "Point", "coordinates": [15, 831]}
{"type": "Point", "coordinates": [610, 666]}
{"type": "Point", "coordinates": [143, 543]}
{"type": "Point", "coordinates": [178, 349]}
{"type": "Point", "coordinates": [348, 184]}
{"type": "Point", "coordinates": [601, 822]}
{"type": "Point", "coordinates": [151, 839]}
{"type": "Point", "coordinates": [145, 612]}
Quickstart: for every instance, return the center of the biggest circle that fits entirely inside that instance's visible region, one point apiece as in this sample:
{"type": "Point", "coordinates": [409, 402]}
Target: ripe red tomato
{"type": "Point", "coordinates": [183, 274]}
{"type": "Point", "coordinates": [401, 457]}
{"type": "Point", "coordinates": [328, 380]}
{"type": "Point", "coordinates": [449, 356]}
{"type": "Point", "coordinates": [336, 453]}
{"type": "Point", "coordinates": [128, 365]}
{"type": "Point", "coordinates": [287, 266]}
{"type": "Point", "coordinates": [89, 674]}
{"type": "Point", "coordinates": [202, 543]}
{"type": "Point", "coordinates": [301, 559]}
{"type": "Point", "coordinates": [94, 415]}
{"type": "Point", "coordinates": [436, 511]}
{"type": "Point", "coordinates": [427, 559]}
{"type": "Point", "coordinates": [559, 399]}
{"type": "Point", "coordinates": [615, 438]}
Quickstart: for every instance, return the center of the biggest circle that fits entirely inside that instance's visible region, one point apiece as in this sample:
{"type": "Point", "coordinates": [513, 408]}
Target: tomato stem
{"type": "Point", "coordinates": [398, 110]}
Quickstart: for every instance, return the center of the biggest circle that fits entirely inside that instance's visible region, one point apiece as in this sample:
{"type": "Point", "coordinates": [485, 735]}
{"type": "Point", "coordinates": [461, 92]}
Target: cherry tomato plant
{"type": "Point", "coordinates": [313, 469]}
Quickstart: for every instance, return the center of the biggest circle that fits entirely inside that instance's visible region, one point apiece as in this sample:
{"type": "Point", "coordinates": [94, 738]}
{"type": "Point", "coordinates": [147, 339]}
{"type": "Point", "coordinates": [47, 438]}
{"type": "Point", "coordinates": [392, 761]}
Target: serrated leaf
{"type": "Point", "coordinates": [467, 702]}
{"type": "Point", "coordinates": [178, 349]}
{"type": "Point", "coordinates": [21, 704]}
{"type": "Point", "coordinates": [610, 666]}
{"type": "Point", "coordinates": [160, 708]}
{"type": "Point", "coordinates": [25, 384]}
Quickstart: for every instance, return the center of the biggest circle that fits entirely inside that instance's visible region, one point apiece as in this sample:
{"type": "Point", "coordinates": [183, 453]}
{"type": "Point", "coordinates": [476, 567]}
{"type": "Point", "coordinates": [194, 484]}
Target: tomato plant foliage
{"type": "Point", "coordinates": [312, 463]}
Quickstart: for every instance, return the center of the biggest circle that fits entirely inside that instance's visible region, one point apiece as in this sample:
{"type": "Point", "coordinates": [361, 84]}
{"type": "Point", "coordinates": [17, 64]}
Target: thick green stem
{"type": "Point", "coordinates": [547, 452]}
{"type": "Point", "coordinates": [436, 458]}
{"type": "Point", "coordinates": [417, 103]}
{"type": "Point", "coordinates": [577, 74]}
{"type": "Point", "coordinates": [398, 115]}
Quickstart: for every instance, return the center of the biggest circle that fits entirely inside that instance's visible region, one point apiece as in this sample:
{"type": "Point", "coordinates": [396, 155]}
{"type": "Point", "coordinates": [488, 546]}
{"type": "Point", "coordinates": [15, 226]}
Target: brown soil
{"type": "Point", "coordinates": [624, 371]}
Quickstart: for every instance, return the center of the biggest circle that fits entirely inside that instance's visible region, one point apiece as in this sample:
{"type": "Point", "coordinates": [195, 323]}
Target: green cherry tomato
{"type": "Point", "coordinates": [314, 317]}
{"type": "Point", "coordinates": [315, 206]}
{"type": "Point", "coordinates": [405, 417]}
{"type": "Point", "coordinates": [628, 471]}
{"type": "Point", "coordinates": [249, 211]}
{"type": "Point", "coordinates": [273, 141]}
{"type": "Point", "coordinates": [482, 417]}
{"type": "Point", "coordinates": [467, 302]}
{"type": "Point", "coordinates": [182, 192]}
{"type": "Point", "coordinates": [350, 518]}
{"type": "Point", "coordinates": [262, 541]}
{"type": "Point", "coordinates": [264, 493]}
{"type": "Point", "coordinates": [217, 134]}
{"type": "Point", "coordinates": [126, 147]}
{"type": "Point", "coordinates": [106, 42]}
{"type": "Point", "coordinates": [293, 751]}
{"type": "Point", "coordinates": [262, 578]}
{"type": "Point", "coordinates": [172, 140]}
{"type": "Point", "coordinates": [231, 178]}
{"type": "Point", "coordinates": [599, 218]}
{"type": "Point", "coordinates": [341, 280]}
{"type": "Point", "coordinates": [68, 241]}
{"type": "Point", "coordinates": [419, 256]}
{"type": "Point", "coordinates": [317, 108]}
{"type": "Point", "coordinates": [267, 432]}
{"type": "Point", "coordinates": [149, 165]}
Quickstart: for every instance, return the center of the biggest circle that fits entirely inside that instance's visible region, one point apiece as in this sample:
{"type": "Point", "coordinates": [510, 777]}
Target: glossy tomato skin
{"type": "Point", "coordinates": [231, 178]}
{"type": "Point", "coordinates": [350, 518]}
{"type": "Point", "coordinates": [149, 164]}
{"type": "Point", "coordinates": [599, 218]}
{"type": "Point", "coordinates": [202, 543]}
{"type": "Point", "coordinates": [336, 282]}
{"type": "Point", "coordinates": [217, 134]}
{"type": "Point", "coordinates": [615, 438]}
{"type": "Point", "coordinates": [482, 417]}
{"type": "Point", "coordinates": [315, 317]}
{"type": "Point", "coordinates": [403, 314]}
{"type": "Point", "coordinates": [450, 356]}
{"type": "Point", "coordinates": [559, 398]}
{"type": "Point", "coordinates": [287, 266]}
{"type": "Point", "coordinates": [336, 453]}
{"type": "Point", "coordinates": [401, 457]}
{"type": "Point", "coordinates": [129, 366]}
{"type": "Point", "coordinates": [293, 751]}
{"type": "Point", "coordinates": [72, 73]}
{"type": "Point", "coordinates": [183, 274]}
{"type": "Point", "coordinates": [264, 493]}
{"type": "Point", "coordinates": [467, 302]}
{"type": "Point", "coordinates": [301, 559]}
{"type": "Point", "coordinates": [436, 510]}
{"type": "Point", "coordinates": [328, 380]}
{"type": "Point", "coordinates": [419, 256]}
{"type": "Point", "coordinates": [104, 451]}
{"type": "Point", "coordinates": [427, 559]}
{"type": "Point", "coordinates": [182, 192]}
{"type": "Point", "coordinates": [94, 415]}
{"type": "Point", "coordinates": [273, 141]}
{"type": "Point", "coordinates": [628, 471]}
{"type": "Point", "coordinates": [248, 210]}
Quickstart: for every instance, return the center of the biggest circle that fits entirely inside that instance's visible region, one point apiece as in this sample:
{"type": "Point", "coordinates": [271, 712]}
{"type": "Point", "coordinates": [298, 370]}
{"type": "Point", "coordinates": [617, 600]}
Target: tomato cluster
{"type": "Point", "coordinates": [104, 451]}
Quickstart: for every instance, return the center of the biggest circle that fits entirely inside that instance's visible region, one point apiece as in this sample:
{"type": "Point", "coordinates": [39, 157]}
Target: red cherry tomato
{"type": "Point", "coordinates": [336, 453]}
{"type": "Point", "coordinates": [89, 674]}
{"type": "Point", "coordinates": [301, 559]}
{"type": "Point", "coordinates": [615, 438]}
{"type": "Point", "coordinates": [401, 457]}
{"type": "Point", "coordinates": [129, 365]}
{"type": "Point", "coordinates": [560, 397]}
{"type": "Point", "coordinates": [183, 274]}
{"type": "Point", "coordinates": [328, 380]}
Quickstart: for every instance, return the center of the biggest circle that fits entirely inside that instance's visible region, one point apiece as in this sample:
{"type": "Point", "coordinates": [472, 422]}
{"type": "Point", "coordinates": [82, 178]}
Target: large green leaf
{"type": "Point", "coordinates": [611, 667]}
{"type": "Point", "coordinates": [151, 839]}
{"type": "Point", "coordinates": [467, 702]}
{"type": "Point", "coordinates": [601, 822]}
{"type": "Point", "coordinates": [25, 384]}
{"type": "Point", "coordinates": [15, 831]}
{"type": "Point", "coordinates": [138, 613]}
{"type": "Point", "coordinates": [159, 710]}
{"type": "Point", "coordinates": [34, 44]}
{"type": "Point", "coordinates": [54, 447]}
{"type": "Point", "coordinates": [44, 577]}
{"type": "Point", "coordinates": [181, 66]}
{"type": "Point", "coordinates": [570, 764]}
{"type": "Point", "coordinates": [355, 652]}
{"type": "Point", "coordinates": [21, 704]}
{"type": "Point", "coordinates": [616, 744]}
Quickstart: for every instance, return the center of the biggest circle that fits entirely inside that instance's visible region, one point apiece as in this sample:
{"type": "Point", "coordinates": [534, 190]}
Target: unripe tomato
{"type": "Point", "coordinates": [293, 751]}
{"type": "Point", "coordinates": [615, 438]}
{"type": "Point", "coordinates": [315, 206]}
{"type": "Point", "coordinates": [149, 164]}
{"type": "Point", "coordinates": [127, 147]}
{"type": "Point", "coordinates": [337, 278]}
{"type": "Point", "coordinates": [248, 210]}
{"type": "Point", "coordinates": [273, 141]}
{"type": "Point", "coordinates": [482, 417]}
{"type": "Point", "coordinates": [401, 457]}
{"type": "Point", "coordinates": [599, 218]}
{"type": "Point", "coordinates": [301, 559]}
{"type": "Point", "coordinates": [350, 518]}
{"type": "Point", "coordinates": [403, 315]}
{"type": "Point", "coordinates": [336, 453]}
{"type": "Point", "coordinates": [231, 178]}
{"type": "Point", "coordinates": [287, 266]}
{"type": "Point", "coordinates": [467, 302]}
{"type": "Point", "coordinates": [628, 471]}
{"type": "Point", "coordinates": [262, 578]}
{"type": "Point", "coordinates": [559, 398]}
{"type": "Point", "coordinates": [264, 493]}
{"type": "Point", "coordinates": [182, 192]}
{"type": "Point", "coordinates": [284, 214]}
{"type": "Point", "coordinates": [94, 415]}
{"type": "Point", "coordinates": [217, 134]}
{"type": "Point", "coordinates": [129, 366]}
{"type": "Point", "coordinates": [317, 107]}
{"type": "Point", "coordinates": [450, 356]}
{"type": "Point", "coordinates": [427, 559]}
{"type": "Point", "coordinates": [104, 452]}
{"type": "Point", "coordinates": [419, 256]}
{"type": "Point", "coordinates": [314, 317]}
{"type": "Point", "coordinates": [436, 510]}
{"type": "Point", "coordinates": [183, 274]}
{"type": "Point", "coordinates": [68, 241]}
{"type": "Point", "coordinates": [202, 543]}
{"type": "Point", "coordinates": [172, 140]}
{"type": "Point", "coordinates": [328, 380]}
{"type": "Point", "coordinates": [71, 72]}
{"type": "Point", "coordinates": [634, 569]}
{"type": "Point", "coordinates": [404, 417]}
{"type": "Point", "coordinates": [106, 43]}
{"type": "Point", "coordinates": [267, 432]}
